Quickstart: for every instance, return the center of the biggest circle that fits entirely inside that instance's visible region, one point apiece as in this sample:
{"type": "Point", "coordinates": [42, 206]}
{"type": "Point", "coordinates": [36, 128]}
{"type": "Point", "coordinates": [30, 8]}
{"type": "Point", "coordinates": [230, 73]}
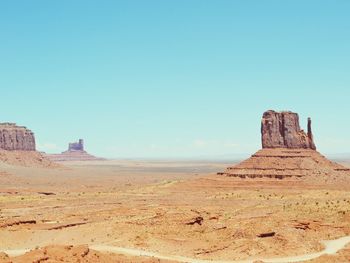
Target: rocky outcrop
{"type": "Point", "coordinates": [16, 138]}
{"type": "Point", "coordinates": [287, 152]}
{"type": "Point", "coordinates": [282, 130]}
{"type": "Point", "coordinates": [75, 152]}
{"type": "Point", "coordinates": [17, 147]}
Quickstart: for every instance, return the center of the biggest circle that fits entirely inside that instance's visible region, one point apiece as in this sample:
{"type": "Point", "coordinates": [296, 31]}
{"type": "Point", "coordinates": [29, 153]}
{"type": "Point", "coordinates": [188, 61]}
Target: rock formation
{"type": "Point", "coordinates": [17, 147]}
{"type": "Point", "coordinates": [75, 152]}
{"type": "Point", "coordinates": [16, 138]}
{"type": "Point", "coordinates": [76, 146]}
{"type": "Point", "coordinates": [282, 130]}
{"type": "Point", "coordinates": [287, 152]}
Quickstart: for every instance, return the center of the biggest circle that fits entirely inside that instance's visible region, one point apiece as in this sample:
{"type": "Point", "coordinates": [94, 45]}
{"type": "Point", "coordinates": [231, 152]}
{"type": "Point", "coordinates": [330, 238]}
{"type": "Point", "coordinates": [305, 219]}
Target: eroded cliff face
{"type": "Point", "coordinates": [282, 130]}
{"type": "Point", "coordinates": [16, 138]}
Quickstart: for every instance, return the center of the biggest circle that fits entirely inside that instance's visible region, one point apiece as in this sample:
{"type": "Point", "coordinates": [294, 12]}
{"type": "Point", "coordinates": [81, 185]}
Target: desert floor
{"type": "Point", "coordinates": [166, 208]}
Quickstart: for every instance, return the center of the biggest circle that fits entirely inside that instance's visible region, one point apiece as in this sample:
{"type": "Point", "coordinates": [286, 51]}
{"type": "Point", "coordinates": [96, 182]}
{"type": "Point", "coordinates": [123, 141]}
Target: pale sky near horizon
{"type": "Point", "coordinates": [184, 78]}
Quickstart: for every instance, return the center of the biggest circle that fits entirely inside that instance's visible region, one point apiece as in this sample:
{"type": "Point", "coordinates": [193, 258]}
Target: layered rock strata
{"type": "Point", "coordinates": [283, 163]}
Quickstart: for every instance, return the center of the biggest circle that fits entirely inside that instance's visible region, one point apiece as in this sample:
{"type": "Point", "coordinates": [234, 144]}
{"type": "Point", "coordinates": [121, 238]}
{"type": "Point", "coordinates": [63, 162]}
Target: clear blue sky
{"type": "Point", "coordinates": [184, 78]}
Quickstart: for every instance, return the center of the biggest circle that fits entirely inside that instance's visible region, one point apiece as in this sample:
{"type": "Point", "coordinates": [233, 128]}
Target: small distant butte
{"type": "Point", "coordinates": [75, 152]}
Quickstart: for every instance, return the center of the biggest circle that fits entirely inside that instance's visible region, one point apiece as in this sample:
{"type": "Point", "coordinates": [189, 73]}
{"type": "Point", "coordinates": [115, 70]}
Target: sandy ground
{"type": "Point", "coordinates": [171, 208]}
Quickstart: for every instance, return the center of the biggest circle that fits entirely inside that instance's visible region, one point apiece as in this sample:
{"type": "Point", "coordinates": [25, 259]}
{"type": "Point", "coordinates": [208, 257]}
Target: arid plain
{"type": "Point", "coordinates": [168, 208]}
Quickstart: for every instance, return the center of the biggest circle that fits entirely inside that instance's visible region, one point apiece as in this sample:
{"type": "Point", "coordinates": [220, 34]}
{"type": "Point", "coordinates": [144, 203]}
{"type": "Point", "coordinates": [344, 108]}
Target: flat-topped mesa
{"type": "Point", "coordinates": [16, 138]}
{"type": "Point", "coordinates": [282, 130]}
{"type": "Point", "coordinates": [76, 146]}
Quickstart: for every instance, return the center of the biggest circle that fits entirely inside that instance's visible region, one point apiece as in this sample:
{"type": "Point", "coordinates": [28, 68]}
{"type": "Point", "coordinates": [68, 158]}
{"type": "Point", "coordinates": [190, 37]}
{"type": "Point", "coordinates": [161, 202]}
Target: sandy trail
{"type": "Point", "coordinates": [16, 252]}
{"type": "Point", "coordinates": [331, 247]}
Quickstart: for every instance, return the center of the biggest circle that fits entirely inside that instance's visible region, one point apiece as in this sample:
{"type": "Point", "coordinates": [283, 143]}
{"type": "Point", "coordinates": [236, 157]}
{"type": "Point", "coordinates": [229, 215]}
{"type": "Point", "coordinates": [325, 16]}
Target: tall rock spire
{"type": "Point", "coordinates": [310, 135]}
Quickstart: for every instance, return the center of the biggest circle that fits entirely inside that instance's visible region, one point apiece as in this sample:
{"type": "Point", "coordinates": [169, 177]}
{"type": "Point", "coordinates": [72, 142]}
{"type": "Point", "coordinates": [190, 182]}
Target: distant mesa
{"type": "Point", "coordinates": [75, 152]}
{"type": "Point", "coordinates": [287, 151]}
{"type": "Point", "coordinates": [76, 146]}
{"type": "Point", "coordinates": [17, 147]}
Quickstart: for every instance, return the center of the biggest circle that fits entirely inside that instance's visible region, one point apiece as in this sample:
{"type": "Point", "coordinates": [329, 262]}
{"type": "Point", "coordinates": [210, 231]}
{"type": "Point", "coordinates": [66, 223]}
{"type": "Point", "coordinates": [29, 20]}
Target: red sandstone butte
{"type": "Point", "coordinates": [287, 151]}
{"type": "Point", "coordinates": [282, 130]}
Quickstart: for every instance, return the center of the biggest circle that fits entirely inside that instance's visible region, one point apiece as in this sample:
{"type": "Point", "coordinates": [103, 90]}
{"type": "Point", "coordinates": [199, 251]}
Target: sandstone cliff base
{"type": "Point", "coordinates": [26, 158]}
{"type": "Point", "coordinates": [283, 163]}
{"type": "Point", "coordinates": [72, 156]}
